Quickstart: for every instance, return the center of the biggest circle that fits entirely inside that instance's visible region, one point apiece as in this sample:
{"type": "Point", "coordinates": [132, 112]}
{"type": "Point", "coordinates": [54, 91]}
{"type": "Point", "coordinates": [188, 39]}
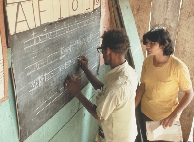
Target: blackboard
{"type": "Point", "coordinates": [42, 58]}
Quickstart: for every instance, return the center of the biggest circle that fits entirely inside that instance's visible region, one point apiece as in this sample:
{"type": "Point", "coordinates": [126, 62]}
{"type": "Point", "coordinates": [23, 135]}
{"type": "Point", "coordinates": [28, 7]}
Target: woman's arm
{"type": "Point", "coordinates": [139, 93]}
{"type": "Point", "coordinates": [184, 102]}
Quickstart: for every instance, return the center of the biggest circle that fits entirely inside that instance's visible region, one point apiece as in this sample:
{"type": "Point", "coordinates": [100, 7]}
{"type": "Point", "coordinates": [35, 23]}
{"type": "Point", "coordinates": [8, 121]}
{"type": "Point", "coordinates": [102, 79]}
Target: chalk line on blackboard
{"type": "Point", "coordinates": [56, 33]}
{"type": "Point", "coordinates": [40, 107]}
{"type": "Point", "coordinates": [49, 103]}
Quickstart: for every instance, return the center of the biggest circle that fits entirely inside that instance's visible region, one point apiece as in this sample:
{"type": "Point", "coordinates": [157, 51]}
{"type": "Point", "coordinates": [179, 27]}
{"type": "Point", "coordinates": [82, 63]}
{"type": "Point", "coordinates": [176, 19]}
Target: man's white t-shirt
{"type": "Point", "coordinates": [116, 104]}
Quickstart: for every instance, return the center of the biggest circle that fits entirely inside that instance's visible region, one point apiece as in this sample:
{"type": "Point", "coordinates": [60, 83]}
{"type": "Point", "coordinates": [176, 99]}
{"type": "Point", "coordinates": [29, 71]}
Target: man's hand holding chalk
{"type": "Point", "coordinates": [72, 85]}
{"type": "Point", "coordinates": [83, 62]}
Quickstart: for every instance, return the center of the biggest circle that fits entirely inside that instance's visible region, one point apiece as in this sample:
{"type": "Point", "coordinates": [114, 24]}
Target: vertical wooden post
{"type": "Point", "coordinates": [4, 53]}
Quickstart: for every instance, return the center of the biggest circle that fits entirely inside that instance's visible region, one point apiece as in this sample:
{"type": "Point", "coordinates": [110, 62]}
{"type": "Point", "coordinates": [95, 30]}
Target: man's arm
{"type": "Point", "coordinates": [73, 86]}
{"type": "Point", "coordinates": [91, 108]}
{"type": "Point", "coordinates": [83, 61]}
{"type": "Point", "coordinates": [93, 80]}
{"type": "Point", "coordinates": [139, 93]}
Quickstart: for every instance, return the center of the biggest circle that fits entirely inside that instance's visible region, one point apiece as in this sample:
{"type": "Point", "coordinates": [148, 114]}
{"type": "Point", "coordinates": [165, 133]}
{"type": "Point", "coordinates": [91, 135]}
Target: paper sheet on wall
{"type": "Point", "coordinates": [155, 131]}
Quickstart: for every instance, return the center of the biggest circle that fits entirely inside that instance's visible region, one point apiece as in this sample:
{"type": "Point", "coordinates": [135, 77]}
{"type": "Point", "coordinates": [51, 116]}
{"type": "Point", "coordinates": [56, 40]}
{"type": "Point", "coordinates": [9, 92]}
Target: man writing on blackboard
{"type": "Point", "coordinates": [115, 99]}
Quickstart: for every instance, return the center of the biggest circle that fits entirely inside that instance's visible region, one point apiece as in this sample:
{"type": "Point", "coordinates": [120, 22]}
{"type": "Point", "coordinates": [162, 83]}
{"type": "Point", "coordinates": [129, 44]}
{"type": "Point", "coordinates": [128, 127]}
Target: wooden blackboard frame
{"type": "Point", "coordinates": [4, 52]}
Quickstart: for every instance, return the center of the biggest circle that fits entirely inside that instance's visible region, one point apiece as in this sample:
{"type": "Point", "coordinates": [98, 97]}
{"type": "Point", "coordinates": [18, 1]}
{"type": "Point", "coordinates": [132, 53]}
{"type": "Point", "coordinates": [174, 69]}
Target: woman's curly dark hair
{"type": "Point", "coordinates": [162, 36]}
{"type": "Point", "coordinates": [117, 40]}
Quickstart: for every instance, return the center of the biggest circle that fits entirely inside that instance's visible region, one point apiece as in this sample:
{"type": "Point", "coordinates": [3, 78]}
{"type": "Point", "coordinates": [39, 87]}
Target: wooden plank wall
{"type": "Point", "coordinates": [165, 13]}
{"type": "Point", "coordinates": [178, 17]}
{"type": "Point", "coordinates": [184, 49]}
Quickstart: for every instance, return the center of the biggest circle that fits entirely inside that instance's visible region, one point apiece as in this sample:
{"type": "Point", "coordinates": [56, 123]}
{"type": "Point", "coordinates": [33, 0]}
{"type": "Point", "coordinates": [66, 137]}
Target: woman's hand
{"type": "Point", "coordinates": [184, 102]}
{"type": "Point", "coordinates": [72, 85]}
{"type": "Point", "coordinates": [168, 121]}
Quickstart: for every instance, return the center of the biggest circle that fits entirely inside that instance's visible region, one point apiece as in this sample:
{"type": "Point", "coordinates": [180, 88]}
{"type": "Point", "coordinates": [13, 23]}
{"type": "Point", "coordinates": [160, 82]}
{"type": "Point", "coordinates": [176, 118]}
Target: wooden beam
{"type": "Point", "coordinates": [4, 52]}
{"type": "Point", "coordinates": [130, 27]}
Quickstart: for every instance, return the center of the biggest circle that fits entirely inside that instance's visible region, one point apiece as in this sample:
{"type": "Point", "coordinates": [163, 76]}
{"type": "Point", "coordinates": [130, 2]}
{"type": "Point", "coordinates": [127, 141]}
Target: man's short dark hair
{"type": "Point", "coordinates": [117, 40]}
{"type": "Point", "coordinates": [162, 36]}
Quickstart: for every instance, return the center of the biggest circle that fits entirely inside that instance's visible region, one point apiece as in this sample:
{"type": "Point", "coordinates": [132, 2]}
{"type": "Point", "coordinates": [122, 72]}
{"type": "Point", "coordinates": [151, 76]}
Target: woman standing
{"type": "Point", "coordinates": [162, 76]}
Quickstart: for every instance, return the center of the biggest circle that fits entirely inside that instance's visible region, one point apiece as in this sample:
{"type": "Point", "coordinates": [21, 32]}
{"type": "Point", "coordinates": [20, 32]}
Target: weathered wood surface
{"type": "Point", "coordinates": [185, 51]}
{"type": "Point", "coordinates": [141, 11]}
{"type": "Point", "coordinates": [166, 13]}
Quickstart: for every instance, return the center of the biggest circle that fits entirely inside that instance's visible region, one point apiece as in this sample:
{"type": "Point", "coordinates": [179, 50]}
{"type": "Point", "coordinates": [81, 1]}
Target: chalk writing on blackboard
{"type": "Point", "coordinates": [43, 57]}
